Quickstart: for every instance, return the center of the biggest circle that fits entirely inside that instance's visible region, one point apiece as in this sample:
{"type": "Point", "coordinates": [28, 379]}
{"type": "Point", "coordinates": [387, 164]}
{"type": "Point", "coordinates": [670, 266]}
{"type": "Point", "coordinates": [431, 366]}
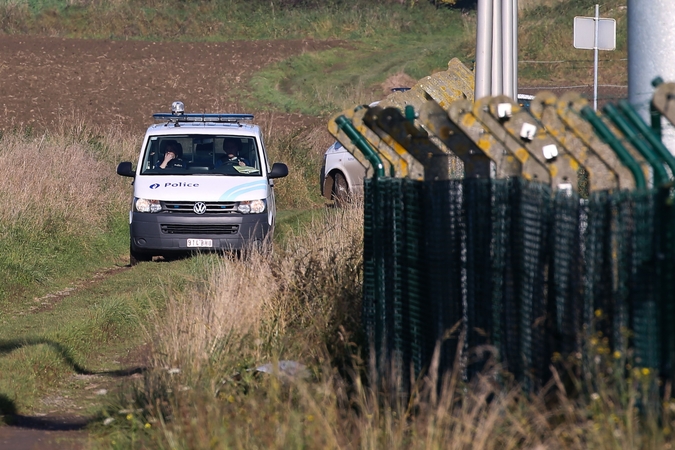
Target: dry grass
{"type": "Point", "coordinates": [226, 307]}
{"type": "Point", "coordinates": [308, 288]}
{"type": "Point", "coordinates": [302, 150]}
{"type": "Point", "coordinates": [65, 179]}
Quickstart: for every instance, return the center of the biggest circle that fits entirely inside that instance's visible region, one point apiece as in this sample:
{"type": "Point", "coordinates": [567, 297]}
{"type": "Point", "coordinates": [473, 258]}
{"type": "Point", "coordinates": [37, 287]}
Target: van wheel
{"type": "Point", "coordinates": [136, 257]}
{"type": "Point", "coordinates": [340, 189]}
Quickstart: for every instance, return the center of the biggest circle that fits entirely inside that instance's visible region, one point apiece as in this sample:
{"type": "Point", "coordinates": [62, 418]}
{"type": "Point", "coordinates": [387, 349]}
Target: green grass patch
{"type": "Point", "coordinates": [211, 20]}
{"type": "Point", "coordinates": [291, 222]}
{"type": "Point", "coordinates": [35, 261]}
{"type": "Point", "coordinates": [321, 83]}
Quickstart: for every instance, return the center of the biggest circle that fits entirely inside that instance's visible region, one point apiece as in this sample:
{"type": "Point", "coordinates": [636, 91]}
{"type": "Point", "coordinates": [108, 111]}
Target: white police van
{"type": "Point", "coordinates": [203, 182]}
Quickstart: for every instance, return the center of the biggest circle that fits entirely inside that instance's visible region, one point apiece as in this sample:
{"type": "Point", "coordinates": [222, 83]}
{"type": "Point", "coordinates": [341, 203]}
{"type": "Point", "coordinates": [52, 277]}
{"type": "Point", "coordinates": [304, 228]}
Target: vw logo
{"type": "Point", "coordinates": [154, 186]}
{"type": "Point", "coordinates": [199, 208]}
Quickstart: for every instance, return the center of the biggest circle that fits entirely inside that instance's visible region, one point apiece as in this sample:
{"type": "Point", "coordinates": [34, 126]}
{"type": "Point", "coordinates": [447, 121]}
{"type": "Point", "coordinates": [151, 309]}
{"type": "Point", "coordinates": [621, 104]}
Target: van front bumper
{"type": "Point", "coordinates": [159, 233]}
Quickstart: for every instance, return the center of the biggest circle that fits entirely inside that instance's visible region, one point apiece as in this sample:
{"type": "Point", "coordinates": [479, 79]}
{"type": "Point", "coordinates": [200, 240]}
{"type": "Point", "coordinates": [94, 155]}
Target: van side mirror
{"type": "Point", "coordinates": [279, 170]}
{"type": "Point", "coordinates": [125, 169]}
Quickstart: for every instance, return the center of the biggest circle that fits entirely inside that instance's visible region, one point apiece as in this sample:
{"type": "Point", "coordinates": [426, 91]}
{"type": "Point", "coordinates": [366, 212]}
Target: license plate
{"type": "Point", "coordinates": [199, 243]}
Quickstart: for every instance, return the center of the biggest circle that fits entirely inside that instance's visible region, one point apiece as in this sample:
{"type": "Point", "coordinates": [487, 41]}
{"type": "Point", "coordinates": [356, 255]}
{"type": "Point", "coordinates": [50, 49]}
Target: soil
{"type": "Point", "coordinates": [48, 82]}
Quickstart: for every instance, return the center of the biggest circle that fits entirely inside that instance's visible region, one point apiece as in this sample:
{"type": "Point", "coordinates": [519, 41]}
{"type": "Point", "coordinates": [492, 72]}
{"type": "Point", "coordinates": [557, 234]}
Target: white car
{"type": "Point", "coordinates": [203, 182]}
{"type": "Point", "coordinates": [341, 175]}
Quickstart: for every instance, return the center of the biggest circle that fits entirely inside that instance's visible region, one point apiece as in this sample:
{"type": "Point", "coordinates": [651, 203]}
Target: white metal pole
{"type": "Point", "coordinates": [651, 53]}
{"type": "Point", "coordinates": [507, 44]}
{"type": "Point", "coordinates": [514, 47]}
{"type": "Point", "coordinates": [497, 49]}
{"type": "Point", "coordinates": [596, 23]}
{"type": "Point", "coordinates": [483, 70]}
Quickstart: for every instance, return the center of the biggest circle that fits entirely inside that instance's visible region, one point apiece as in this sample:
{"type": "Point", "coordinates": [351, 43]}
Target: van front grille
{"type": "Point", "coordinates": [174, 228]}
{"type": "Point", "coordinates": [188, 207]}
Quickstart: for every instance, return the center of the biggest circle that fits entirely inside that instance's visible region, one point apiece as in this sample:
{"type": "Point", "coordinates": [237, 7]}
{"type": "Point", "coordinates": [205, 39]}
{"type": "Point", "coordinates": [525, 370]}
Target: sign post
{"type": "Point", "coordinates": [594, 33]}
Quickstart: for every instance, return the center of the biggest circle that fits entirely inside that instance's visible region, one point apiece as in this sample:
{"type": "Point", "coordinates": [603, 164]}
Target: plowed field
{"type": "Point", "coordinates": [45, 80]}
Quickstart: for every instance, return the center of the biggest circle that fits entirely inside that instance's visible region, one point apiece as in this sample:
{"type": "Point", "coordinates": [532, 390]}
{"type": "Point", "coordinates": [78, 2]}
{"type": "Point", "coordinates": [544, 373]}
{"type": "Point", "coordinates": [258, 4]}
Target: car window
{"type": "Point", "coordinates": [196, 154]}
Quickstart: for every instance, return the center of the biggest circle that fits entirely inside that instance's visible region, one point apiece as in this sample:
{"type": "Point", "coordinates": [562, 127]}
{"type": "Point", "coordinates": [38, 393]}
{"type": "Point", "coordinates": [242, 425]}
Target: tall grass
{"type": "Point", "coordinates": [302, 305]}
{"type": "Point", "coordinates": [61, 180]}
{"type": "Point", "coordinates": [302, 150]}
{"type": "Point", "coordinates": [61, 205]}
{"type": "Point", "coordinates": [309, 287]}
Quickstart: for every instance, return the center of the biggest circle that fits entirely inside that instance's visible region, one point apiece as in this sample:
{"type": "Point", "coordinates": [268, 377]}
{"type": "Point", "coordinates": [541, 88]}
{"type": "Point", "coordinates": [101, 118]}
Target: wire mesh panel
{"type": "Point", "coordinates": [565, 274]}
{"type": "Point", "coordinates": [664, 247]}
{"type": "Point", "coordinates": [597, 223]}
{"type": "Point", "coordinates": [394, 312]}
{"type": "Point", "coordinates": [502, 294]}
{"type": "Point", "coordinates": [646, 328]}
{"type": "Point", "coordinates": [443, 248]}
{"type": "Point", "coordinates": [529, 242]}
{"type": "Point", "coordinates": [518, 268]}
{"type": "Point", "coordinates": [390, 209]}
{"type": "Point", "coordinates": [378, 306]}
{"type": "Point", "coordinates": [414, 268]}
{"type": "Point", "coordinates": [477, 267]}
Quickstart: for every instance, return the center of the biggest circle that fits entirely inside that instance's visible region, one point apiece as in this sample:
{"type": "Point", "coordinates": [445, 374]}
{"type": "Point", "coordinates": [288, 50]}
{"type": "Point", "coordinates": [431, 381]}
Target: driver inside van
{"type": "Point", "coordinates": [173, 154]}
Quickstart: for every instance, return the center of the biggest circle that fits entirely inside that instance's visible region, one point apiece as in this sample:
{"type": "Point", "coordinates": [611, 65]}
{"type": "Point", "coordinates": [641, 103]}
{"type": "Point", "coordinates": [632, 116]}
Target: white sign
{"type": "Point", "coordinates": [584, 33]}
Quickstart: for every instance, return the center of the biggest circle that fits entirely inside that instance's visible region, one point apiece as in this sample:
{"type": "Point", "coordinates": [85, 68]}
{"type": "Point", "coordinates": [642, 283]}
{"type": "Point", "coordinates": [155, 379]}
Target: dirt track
{"type": "Point", "coordinates": [44, 79]}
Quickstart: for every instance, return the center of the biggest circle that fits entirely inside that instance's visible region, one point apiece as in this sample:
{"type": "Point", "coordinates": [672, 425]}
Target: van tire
{"type": "Point", "coordinates": [136, 257]}
{"type": "Point", "coordinates": [340, 189]}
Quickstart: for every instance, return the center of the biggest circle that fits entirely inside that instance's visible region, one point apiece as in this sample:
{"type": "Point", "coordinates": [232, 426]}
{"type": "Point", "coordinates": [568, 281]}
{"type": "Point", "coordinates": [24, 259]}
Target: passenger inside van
{"type": "Point", "coordinates": [232, 150]}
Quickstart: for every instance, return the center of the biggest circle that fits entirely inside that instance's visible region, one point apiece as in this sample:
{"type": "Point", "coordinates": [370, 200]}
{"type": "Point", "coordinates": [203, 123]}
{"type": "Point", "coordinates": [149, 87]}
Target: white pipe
{"type": "Point", "coordinates": [596, 29]}
{"type": "Point", "coordinates": [514, 46]}
{"type": "Point", "coordinates": [483, 70]}
{"type": "Point", "coordinates": [507, 45]}
{"type": "Point", "coordinates": [497, 48]}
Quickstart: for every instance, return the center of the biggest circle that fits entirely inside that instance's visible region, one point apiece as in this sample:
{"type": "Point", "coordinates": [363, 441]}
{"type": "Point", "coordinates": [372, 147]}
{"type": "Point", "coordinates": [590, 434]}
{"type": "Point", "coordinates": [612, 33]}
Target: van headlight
{"type": "Point", "coordinates": [252, 206]}
{"type": "Point", "coordinates": [144, 205]}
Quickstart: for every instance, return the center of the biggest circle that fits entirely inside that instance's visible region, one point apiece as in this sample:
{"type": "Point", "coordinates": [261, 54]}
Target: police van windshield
{"type": "Point", "coordinates": [201, 155]}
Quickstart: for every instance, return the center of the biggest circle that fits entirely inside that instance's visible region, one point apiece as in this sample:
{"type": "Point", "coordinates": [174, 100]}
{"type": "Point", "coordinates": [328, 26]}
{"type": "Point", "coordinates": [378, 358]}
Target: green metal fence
{"type": "Point", "coordinates": [515, 233]}
{"type": "Point", "coordinates": [527, 271]}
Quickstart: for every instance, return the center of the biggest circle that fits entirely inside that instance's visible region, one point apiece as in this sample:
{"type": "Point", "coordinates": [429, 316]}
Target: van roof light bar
{"type": "Point", "coordinates": [177, 114]}
{"type": "Point", "coordinates": [196, 117]}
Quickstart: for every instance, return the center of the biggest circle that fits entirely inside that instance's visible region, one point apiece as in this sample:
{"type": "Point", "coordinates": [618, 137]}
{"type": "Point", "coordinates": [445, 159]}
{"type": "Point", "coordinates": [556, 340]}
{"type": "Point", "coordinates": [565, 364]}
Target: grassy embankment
{"type": "Point", "coordinates": [210, 320]}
